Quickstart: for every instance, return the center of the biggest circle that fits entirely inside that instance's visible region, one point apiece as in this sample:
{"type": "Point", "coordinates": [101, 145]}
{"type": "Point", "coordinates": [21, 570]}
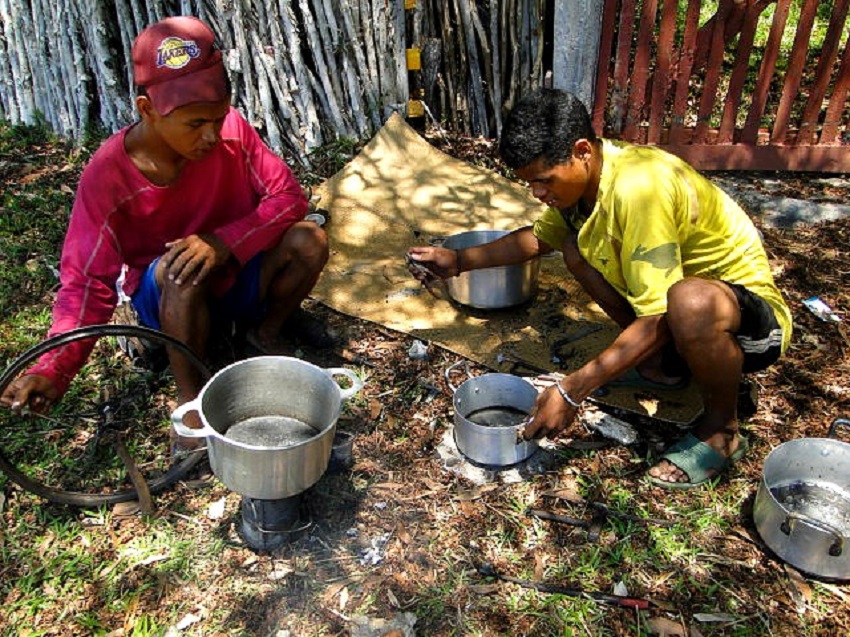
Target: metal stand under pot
{"type": "Point", "coordinates": [267, 525]}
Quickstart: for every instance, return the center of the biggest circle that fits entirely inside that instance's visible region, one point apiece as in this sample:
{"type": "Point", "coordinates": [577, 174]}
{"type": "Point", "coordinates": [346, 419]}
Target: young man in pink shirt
{"type": "Point", "coordinates": [203, 220]}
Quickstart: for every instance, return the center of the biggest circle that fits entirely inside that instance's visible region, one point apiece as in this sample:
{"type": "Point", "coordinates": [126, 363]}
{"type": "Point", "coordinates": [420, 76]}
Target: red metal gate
{"type": "Point", "coordinates": [718, 98]}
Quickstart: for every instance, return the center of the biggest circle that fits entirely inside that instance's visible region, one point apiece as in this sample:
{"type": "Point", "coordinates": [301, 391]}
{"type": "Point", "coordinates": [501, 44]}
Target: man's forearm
{"type": "Point", "coordinates": [643, 338]}
{"type": "Point", "coordinates": [517, 247]}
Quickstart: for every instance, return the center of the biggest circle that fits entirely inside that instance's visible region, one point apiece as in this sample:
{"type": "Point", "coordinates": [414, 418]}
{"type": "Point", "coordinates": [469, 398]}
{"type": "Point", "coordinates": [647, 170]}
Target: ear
{"type": "Point", "coordinates": [145, 108]}
{"type": "Point", "coordinates": [583, 149]}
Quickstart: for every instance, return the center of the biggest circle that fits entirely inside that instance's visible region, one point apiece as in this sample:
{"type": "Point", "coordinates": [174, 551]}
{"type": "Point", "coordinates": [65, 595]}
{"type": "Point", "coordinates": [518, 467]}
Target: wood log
{"type": "Point", "coordinates": [13, 28]}
{"type": "Point", "coordinates": [349, 85]}
{"type": "Point", "coordinates": [330, 88]}
{"type": "Point", "coordinates": [496, 65]}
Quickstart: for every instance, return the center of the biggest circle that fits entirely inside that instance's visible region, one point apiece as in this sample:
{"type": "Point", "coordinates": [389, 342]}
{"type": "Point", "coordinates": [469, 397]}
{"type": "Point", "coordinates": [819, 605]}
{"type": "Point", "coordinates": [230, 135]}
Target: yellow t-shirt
{"type": "Point", "coordinates": [656, 221]}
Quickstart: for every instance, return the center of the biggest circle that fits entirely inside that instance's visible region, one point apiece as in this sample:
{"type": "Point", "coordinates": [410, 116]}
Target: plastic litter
{"type": "Point", "coordinates": [821, 310]}
{"type": "Point", "coordinates": [418, 351]}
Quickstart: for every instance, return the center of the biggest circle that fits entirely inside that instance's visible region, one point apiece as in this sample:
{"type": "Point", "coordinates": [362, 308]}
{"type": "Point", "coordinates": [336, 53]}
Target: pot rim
{"type": "Point", "coordinates": [210, 432]}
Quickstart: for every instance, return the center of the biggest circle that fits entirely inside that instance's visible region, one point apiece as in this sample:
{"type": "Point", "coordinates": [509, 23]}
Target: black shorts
{"type": "Point", "coordinates": [759, 336]}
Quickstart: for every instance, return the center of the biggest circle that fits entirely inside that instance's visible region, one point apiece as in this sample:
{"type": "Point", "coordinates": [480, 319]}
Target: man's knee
{"type": "Point", "coordinates": [185, 293]}
{"type": "Point", "coordinates": [695, 305]}
{"type": "Point", "coordinates": [306, 243]}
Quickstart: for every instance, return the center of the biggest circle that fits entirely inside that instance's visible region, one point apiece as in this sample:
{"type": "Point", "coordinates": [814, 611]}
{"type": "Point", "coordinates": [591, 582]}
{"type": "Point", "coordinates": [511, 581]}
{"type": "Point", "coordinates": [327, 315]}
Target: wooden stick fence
{"type": "Point", "coordinates": [305, 72]}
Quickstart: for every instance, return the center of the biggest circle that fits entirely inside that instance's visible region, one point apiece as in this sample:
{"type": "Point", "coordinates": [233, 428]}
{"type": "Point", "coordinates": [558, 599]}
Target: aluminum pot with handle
{"type": "Point", "coordinates": [269, 423]}
{"type": "Point", "coordinates": [802, 507]}
{"type": "Point", "coordinates": [491, 288]}
{"type": "Point", "coordinates": [489, 412]}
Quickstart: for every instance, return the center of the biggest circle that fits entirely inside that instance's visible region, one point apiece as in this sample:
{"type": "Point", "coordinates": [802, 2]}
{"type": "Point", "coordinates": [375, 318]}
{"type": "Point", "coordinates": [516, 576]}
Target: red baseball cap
{"type": "Point", "coordinates": [177, 63]}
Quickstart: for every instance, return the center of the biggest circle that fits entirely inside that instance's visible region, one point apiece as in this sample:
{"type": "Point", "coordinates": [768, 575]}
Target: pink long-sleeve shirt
{"type": "Point", "coordinates": [241, 192]}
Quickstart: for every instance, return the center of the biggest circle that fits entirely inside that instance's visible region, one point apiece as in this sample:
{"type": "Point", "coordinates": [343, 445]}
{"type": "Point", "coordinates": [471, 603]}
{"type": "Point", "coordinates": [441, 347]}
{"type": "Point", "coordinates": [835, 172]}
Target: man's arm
{"type": "Point", "coordinates": [516, 247]}
{"type": "Point", "coordinates": [644, 337]}
{"type": "Point", "coordinates": [282, 201]}
{"type": "Point", "coordinates": [591, 280]}
{"type": "Point", "coordinates": [90, 265]}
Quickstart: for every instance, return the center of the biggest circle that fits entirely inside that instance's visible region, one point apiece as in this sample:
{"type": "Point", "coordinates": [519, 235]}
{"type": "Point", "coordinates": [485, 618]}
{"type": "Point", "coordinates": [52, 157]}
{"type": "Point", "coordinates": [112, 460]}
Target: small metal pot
{"type": "Point", "coordinates": [489, 412]}
{"type": "Point", "coordinates": [274, 389]}
{"type": "Point", "coordinates": [802, 507]}
{"type": "Point", "coordinates": [491, 288]}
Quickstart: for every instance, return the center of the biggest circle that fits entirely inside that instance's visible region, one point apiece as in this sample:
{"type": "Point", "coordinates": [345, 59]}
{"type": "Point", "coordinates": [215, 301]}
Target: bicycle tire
{"type": "Point", "coordinates": [81, 498]}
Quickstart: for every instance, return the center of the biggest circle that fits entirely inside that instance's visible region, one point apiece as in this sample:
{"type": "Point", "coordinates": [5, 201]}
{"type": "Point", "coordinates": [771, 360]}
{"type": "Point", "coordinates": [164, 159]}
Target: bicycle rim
{"type": "Point", "coordinates": [69, 455]}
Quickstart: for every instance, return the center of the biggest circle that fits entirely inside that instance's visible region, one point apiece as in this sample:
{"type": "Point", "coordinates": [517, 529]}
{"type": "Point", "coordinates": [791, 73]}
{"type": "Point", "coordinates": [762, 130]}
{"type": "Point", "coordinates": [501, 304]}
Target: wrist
{"type": "Point", "coordinates": [567, 398]}
{"type": "Point", "coordinates": [457, 263]}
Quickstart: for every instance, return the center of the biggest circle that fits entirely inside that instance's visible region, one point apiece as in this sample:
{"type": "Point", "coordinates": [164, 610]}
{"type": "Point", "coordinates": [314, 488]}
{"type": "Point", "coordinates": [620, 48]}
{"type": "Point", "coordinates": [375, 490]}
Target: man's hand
{"type": "Point", "coordinates": [30, 392]}
{"type": "Point", "coordinates": [551, 415]}
{"type": "Point", "coordinates": [425, 263]}
{"type": "Point", "coordinates": [194, 257]}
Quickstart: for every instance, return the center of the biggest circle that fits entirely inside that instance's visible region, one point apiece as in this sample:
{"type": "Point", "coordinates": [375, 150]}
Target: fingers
{"type": "Point", "coordinates": [431, 263]}
{"type": "Point", "coordinates": [550, 416]}
{"type": "Point", "coordinates": [24, 395]}
{"type": "Point", "coordinates": [17, 397]}
{"type": "Point", "coordinates": [531, 429]}
{"type": "Point", "coordinates": [186, 258]}
{"type": "Point", "coordinates": [421, 272]}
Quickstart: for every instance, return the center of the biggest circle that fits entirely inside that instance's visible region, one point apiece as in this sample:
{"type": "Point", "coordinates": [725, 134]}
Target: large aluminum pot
{"type": "Point", "coordinates": [491, 288]}
{"type": "Point", "coordinates": [802, 508]}
{"type": "Point", "coordinates": [269, 392]}
{"type": "Point", "coordinates": [489, 412]}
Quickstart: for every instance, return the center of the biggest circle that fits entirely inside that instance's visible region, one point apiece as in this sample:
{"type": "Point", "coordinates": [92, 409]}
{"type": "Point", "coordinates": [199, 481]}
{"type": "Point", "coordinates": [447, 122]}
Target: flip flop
{"type": "Point", "coordinates": [699, 461]}
{"type": "Point", "coordinates": [633, 378]}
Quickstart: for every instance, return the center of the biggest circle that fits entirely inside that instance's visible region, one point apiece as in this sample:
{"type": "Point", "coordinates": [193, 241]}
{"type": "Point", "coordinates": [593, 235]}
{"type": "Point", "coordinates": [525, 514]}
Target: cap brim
{"type": "Point", "coordinates": [205, 85]}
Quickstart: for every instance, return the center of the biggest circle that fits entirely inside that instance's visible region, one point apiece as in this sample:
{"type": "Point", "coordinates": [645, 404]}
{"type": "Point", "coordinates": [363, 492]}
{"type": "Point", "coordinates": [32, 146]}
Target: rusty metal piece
{"type": "Point", "coordinates": [489, 570]}
{"type": "Point", "coordinates": [518, 364]}
{"type": "Point", "coordinates": [558, 351]}
{"type": "Point", "coordinates": [600, 516]}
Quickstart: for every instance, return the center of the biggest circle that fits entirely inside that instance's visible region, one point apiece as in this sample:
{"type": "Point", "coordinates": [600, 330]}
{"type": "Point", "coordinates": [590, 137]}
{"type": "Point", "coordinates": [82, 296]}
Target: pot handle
{"type": "Point", "coordinates": [181, 429]}
{"type": "Point", "coordinates": [835, 423]}
{"type": "Point", "coordinates": [356, 383]}
{"type": "Point", "coordinates": [837, 547]}
{"type": "Point", "coordinates": [447, 374]}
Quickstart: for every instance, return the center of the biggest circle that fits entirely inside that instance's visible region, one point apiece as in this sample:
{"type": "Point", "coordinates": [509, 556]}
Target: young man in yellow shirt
{"type": "Point", "coordinates": [666, 254]}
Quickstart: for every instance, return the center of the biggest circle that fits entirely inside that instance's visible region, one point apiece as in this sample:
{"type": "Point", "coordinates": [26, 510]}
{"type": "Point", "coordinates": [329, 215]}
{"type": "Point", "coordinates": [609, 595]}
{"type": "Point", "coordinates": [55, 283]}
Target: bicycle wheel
{"type": "Point", "coordinates": [108, 439]}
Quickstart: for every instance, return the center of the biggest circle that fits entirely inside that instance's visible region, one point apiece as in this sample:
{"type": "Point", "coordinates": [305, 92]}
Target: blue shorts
{"type": "Point", "coordinates": [240, 302]}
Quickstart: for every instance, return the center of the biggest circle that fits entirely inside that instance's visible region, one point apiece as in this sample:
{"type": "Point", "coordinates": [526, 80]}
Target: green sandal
{"type": "Point", "coordinates": [699, 461]}
{"type": "Point", "coordinates": [633, 379]}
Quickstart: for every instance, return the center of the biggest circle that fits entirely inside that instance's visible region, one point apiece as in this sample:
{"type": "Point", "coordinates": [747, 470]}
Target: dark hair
{"type": "Point", "coordinates": [544, 125]}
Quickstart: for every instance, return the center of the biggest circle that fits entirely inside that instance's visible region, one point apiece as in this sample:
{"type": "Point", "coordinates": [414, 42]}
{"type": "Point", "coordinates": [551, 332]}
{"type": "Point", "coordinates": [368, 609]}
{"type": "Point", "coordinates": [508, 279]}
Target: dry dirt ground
{"type": "Point", "coordinates": [433, 528]}
{"type": "Point", "coordinates": [401, 532]}
{"type": "Point", "coordinates": [440, 527]}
